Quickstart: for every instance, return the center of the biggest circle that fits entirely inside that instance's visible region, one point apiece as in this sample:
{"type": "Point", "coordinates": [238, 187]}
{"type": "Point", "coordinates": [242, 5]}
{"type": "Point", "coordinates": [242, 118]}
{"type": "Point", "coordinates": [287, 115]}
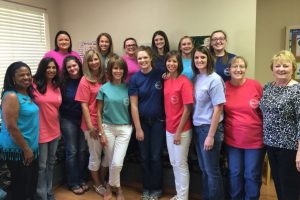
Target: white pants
{"type": "Point", "coordinates": [118, 137]}
{"type": "Point", "coordinates": [178, 158]}
{"type": "Point", "coordinates": [95, 150]}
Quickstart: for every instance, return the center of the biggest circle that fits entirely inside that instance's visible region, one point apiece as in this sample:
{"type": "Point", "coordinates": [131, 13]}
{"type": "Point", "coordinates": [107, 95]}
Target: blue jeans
{"type": "Point", "coordinates": [46, 165]}
{"type": "Point", "coordinates": [245, 171]}
{"type": "Point", "coordinates": [76, 152]}
{"type": "Point", "coordinates": [284, 172]}
{"type": "Point", "coordinates": [209, 162]}
{"type": "Point", "coordinates": [151, 154]}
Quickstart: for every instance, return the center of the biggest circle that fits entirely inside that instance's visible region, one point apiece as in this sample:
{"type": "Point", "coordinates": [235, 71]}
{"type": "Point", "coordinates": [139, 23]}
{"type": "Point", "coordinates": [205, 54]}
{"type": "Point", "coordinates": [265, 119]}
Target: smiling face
{"type": "Point", "coordinates": [130, 48]}
{"type": "Point", "coordinates": [144, 61]}
{"type": "Point", "coordinates": [104, 44]}
{"type": "Point", "coordinates": [200, 60]}
{"type": "Point", "coordinates": [63, 42]}
{"type": "Point", "coordinates": [117, 73]}
{"type": "Point", "coordinates": [218, 41]}
{"type": "Point", "coordinates": [237, 70]}
{"type": "Point", "coordinates": [282, 70]}
{"type": "Point", "coordinates": [51, 71]}
{"type": "Point", "coordinates": [94, 64]}
{"type": "Point", "coordinates": [186, 46]}
{"type": "Point", "coordinates": [159, 42]}
{"type": "Point", "coordinates": [172, 66]}
{"type": "Point", "coordinates": [22, 78]}
{"type": "Point", "coordinates": [73, 69]}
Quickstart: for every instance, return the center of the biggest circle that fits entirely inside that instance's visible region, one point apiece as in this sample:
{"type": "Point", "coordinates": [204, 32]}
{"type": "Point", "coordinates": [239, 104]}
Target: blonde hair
{"type": "Point", "coordinates": [284, 55]}
{"type": "Point", "coordinates": [236, 58]}
{"type": "Point", "coordinates": [88, 56]}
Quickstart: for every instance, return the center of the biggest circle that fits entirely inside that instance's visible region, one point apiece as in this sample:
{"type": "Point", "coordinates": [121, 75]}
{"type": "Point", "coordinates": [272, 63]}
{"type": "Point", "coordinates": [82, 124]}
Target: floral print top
{"type": "Point", "coordinates": [281, 115]}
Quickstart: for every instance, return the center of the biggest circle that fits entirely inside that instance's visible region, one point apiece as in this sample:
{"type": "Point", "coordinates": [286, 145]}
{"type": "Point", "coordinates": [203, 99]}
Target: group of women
{"type": "Point", "coordinates": [155, 93]}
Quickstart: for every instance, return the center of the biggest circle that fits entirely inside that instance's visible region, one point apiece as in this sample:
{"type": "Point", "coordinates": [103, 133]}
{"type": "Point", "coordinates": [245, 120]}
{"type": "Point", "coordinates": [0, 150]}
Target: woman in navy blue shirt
{"type": "Point", "coordinates": [146, 98]}
{"type": "Point", "coordinates": [70, 120]}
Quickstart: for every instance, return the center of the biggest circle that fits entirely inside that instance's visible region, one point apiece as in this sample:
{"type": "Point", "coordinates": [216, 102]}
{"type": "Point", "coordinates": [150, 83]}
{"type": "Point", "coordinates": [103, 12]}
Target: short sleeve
{"type": "Point", "coordinates": [100, 95]}
{"type": "Point", "coordinates": [132, 87]}
{"type": "Point", "coordinates": [217, 91]}
{"type": "Point", "coordinates": [83, 92]}
{"type": "Point", "coordinates": [187, 91]}
{"type": "Point", "coordinates": [74, 53]}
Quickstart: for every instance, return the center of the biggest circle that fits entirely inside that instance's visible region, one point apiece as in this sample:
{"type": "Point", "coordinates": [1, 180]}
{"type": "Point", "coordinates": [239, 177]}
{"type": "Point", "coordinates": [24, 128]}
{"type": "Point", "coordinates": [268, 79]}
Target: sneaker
{"type": "Point", "coordinates": [99, 189]}
{"type": "Point", "coordinates": [145, 195]}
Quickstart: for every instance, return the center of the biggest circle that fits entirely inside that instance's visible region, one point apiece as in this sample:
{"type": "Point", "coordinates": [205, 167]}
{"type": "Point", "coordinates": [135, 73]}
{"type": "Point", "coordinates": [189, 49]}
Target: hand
{"type": "Point", "coordinates": [177, 138]}
{"type": "Point", "coordinates": [209, 143]}
{"type": "Point", "coordinates": [103, 140]}
{"type": "Point", "coordinates": [298, 160]}
{"type": "Point", "coordinates": [93, 133]}
{"type": "Point", "coordinates": [139, 135]}
{"type": "Point", "coordinates": [28, 157]}
{"type": "Point", "coordinates": [165, 76]}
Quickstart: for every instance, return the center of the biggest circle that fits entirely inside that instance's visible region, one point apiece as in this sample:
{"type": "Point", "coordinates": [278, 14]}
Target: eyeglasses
{"type": "Point", "coordinates": [238, 66]}
{"type": "Point", "coordinates": [130, 45]}
{"type": "Point", "coordinates": [221, 39]}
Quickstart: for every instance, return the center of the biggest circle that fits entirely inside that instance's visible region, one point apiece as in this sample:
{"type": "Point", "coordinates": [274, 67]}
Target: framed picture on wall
{"type": "Point", "coordinates": [292, 44]}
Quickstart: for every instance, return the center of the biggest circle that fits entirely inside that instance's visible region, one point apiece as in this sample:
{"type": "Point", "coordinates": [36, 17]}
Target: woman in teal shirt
{"type": "Point", "coordinates": [19, 131]}
{"type": "Point", "coordinates": [113, 114]}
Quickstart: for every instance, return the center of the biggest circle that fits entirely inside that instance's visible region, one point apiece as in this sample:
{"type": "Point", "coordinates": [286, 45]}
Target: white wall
{"type": "Point", "coordinates": [84, 20]}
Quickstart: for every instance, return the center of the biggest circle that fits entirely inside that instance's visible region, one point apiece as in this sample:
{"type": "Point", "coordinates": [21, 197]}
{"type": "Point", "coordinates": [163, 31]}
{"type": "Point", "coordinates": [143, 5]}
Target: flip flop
{"type": "Point", "coordinates": [77, 190]}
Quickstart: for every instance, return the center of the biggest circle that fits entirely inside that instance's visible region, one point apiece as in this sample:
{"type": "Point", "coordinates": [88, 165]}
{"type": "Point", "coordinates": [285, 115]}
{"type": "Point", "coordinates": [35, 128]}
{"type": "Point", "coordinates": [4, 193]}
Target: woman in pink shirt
{"type": "Point", "coordinates": [48, 98]}
{"type": "Point", "coordinates": [87, 91]}
{"type": "Point", "coordinates": [63, 48]}
{"type": "Point", "coordinates": [243, 132]}
{"type": "Point", "coordinates": [130, 47]}
{"type": "Point", "coordinates": [178, 100]}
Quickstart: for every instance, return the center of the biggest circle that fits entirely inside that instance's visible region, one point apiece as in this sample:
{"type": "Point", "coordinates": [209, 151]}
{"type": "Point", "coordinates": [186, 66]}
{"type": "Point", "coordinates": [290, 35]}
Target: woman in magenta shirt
{"type": "Point", "coordinates": [63, 48]}
{"type": "Point", "coordinates": [130, 47]}
{"type": "Point", "coordinates": [243, 132]}
{"type": "Point", "coordinates": [48, 98]}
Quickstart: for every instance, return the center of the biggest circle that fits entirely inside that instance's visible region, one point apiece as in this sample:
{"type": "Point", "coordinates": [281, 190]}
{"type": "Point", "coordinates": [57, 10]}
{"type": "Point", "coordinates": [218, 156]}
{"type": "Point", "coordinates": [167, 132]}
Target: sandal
{"type": "Point", "coordinates": [77, 190]}
{"type": "Point", "coordinates": [85, 187]}
{"type": "Point", "coordinates": [100, 189]}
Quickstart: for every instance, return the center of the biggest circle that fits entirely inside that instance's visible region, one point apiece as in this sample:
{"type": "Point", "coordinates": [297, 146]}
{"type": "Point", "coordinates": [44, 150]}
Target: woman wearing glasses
{"type": "Point", "coordinates": [218, 41]}
{"type": "Point", "coordinates": [243, 132]}
{"type": "Point", "coordinates": [130, 47]}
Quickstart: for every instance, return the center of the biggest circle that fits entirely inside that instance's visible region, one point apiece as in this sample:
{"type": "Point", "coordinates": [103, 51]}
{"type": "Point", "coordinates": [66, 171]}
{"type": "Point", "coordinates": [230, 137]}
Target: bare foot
{"type": "Point", "coordinates": [120, 195]}
{"type": "Point", "coordinates": [107, 194]}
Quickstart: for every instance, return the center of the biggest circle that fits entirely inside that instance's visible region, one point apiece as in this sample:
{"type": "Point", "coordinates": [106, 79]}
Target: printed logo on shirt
{"type": "Point", "coordinates": [174, 99]}
{"type": "Point", "coordinates": [158, 85]}
{"type": "Point", "coordinates": [126, 101]}
{"type": "Point", "coordinates": [226, 71]}
{"type": "Point", "coordinates": [254, 103]}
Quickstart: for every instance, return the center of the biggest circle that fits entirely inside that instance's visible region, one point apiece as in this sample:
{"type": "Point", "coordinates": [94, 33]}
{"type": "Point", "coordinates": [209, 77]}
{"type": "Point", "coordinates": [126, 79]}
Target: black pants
{"type": "Point", "coordinates": [284, 172]}
{"type": "Point", "coordinates": [24, 179]}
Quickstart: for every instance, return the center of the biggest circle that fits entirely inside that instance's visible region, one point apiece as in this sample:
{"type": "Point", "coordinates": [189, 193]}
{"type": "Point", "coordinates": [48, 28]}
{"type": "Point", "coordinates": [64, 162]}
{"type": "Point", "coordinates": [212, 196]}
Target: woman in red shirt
{"type": "Point", "coordinates": [243, 132]}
